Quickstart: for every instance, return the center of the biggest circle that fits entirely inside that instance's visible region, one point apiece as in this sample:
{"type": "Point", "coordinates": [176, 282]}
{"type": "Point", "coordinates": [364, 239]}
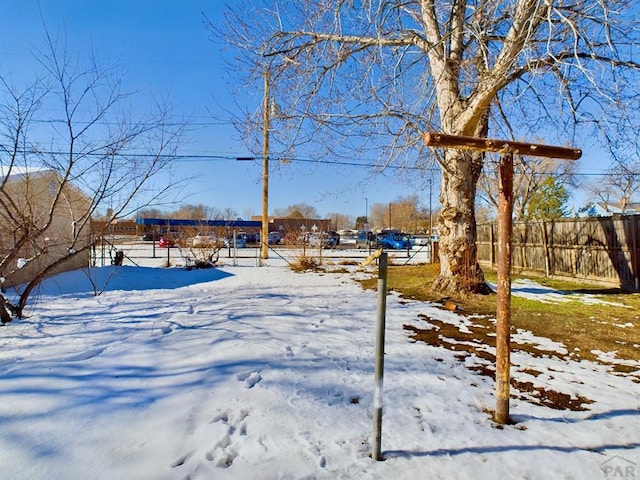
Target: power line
{"type": "Point", "coordinates": [168, 124]}
{"type": "Point", "coordinates": [229, 157]}
{"type": "Point", "coordinates": [279, 159]}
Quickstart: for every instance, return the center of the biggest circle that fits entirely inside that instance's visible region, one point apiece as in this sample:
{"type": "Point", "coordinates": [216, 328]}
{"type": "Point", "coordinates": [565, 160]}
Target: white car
{"type": "Point", "coordinates": [420, 240]}
{"type": "Point", "coordinates": [327, 240]}
{"type": "Point", "coordinates": [202, 241]}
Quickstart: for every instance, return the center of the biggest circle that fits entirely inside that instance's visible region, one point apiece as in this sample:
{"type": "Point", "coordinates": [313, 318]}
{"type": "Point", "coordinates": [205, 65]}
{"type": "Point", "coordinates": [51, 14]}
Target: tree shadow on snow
{"type": "Point", "coordinates": [484, 449]}
{"type": "Point", "coordinates": [127, 278]}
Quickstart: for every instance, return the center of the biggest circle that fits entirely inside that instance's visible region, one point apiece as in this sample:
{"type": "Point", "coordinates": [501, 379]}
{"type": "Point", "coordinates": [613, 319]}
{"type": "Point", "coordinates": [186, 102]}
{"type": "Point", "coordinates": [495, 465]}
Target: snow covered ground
{"type": "Point", "coordinates": [246, 372]}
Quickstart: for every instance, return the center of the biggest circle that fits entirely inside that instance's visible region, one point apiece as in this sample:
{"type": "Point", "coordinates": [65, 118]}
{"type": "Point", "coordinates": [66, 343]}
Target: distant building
{"type": "Point", "coordinates": [28, 204]}
{"type": "Point", "coordinates": [116, 228]}
{"type": "Point", "coordinates": [288, 226]}
{"type": "Point", "coordinates": [602, 209]}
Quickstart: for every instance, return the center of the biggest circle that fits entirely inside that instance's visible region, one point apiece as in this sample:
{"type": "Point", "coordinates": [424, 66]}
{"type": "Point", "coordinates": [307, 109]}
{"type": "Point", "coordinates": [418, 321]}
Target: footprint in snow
{"type": "Point", "coordinates": [224, 451]}
{"type": "Point", "coordinates": [166, 330]}
{"type": "Point", "coordinates": [249, 378]}
{"type": "Point", "coordinates": [180, 461]}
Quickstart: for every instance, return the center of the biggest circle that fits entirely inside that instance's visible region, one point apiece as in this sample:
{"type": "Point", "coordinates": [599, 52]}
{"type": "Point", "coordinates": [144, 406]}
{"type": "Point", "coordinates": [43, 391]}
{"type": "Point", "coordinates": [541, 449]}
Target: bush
{"type": "Point", "coordinates": [304, 263]}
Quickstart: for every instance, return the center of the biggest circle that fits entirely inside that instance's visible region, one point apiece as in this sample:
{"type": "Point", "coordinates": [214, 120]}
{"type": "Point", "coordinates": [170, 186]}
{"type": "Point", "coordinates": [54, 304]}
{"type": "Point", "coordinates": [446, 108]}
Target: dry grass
{"type": "Point", "coordinates": [610, 326]}
{"type": "Point", "coordinates": [583, 328]}
{"type": "Point", "coordinates": [304, 263]}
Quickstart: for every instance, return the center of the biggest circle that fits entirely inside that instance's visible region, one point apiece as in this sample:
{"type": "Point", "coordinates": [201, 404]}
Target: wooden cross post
{"type": "Point", "coordinates": [505, 220]}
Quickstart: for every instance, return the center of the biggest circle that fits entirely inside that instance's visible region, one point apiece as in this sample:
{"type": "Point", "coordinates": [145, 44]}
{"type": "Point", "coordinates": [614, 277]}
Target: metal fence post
{"type": "Point", "coordinates": [379, 360]}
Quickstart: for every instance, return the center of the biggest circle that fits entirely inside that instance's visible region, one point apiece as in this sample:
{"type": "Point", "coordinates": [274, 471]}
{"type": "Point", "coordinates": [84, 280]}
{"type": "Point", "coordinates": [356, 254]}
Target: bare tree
{"type": "Point", "coordinates": [529, 175]}
{"type": "Point", "coordinates": [193, 212]}
{"type": "Point", "coordinates": [618, 186]}
{"type": "Point", "coordinates": [485, 213]}
{"type": "Point", "coordinates": [341, 221]}
{"type": "Point", "coordinates": [372, 77]}
{"type": "Point", "coordinates": [379, 217]}
{"type": "Point", "coordinates": [150, 213]}
{"type": "Point", "coordinates": [93, 158]}
{"type": "Point", "coordinates": [229, 213]}
{"type": "Point", "coordinates": [297, 210]}
{"type": "Point", "coordinates": [404, 213]}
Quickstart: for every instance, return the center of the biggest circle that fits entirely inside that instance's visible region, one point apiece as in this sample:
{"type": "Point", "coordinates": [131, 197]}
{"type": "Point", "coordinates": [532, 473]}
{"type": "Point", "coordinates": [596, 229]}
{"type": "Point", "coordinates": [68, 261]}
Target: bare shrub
{"type": "Point", "coordinates": [304, 263]}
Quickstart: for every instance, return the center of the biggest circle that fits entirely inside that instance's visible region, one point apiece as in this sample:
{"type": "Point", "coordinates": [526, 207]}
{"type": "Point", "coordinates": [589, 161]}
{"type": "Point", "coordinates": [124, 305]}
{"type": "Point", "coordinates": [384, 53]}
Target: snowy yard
{"type": "Point", "coordinates": [245, 372]}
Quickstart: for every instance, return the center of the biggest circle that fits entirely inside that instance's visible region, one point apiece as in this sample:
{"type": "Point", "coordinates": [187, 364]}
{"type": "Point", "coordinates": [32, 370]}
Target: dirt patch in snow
{"type": "Point", "coordinates": [475, 341]}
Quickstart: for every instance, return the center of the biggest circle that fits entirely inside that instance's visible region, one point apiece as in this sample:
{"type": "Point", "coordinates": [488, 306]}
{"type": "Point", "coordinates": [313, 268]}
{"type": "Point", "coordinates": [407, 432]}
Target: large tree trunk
{"type": "Point", "coordinates": [459, 269]}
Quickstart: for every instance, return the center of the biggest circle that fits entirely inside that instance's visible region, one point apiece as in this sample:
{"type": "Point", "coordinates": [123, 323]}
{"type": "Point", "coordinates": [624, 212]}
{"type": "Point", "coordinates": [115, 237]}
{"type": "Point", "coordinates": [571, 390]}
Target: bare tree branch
{"type": "Point", "coordinates": [103, 161]}
{"type": "Point", "coordinates": [369, 79]}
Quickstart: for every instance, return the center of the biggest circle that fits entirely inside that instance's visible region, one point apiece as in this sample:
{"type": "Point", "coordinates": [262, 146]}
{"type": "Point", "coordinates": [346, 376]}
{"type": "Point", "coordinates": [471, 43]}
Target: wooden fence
{"type": "Point", "coordinates": [602, 249]}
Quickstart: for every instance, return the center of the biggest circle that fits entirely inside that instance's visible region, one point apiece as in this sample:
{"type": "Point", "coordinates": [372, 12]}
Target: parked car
{"type": "Point", "coordinates": [204, 240]}
{"type": "Point", "coordinates": [423, 239]}
{"type": "Point", "coordinates": [324, 238]}
{"type": "Point", "coordinates": [274, 238]}
{"type": "Point", "coordinates": [362, 239]}
{"type": "Point", "coordinates": [240, 241]}
{"type": "Point", "coordinates": [252, 237]}
{"type": "Point", "coordinates": [166, 242]}
{"type": "Point", "coordinates": [419, 240]}
{"type": "Point", "coordinates": [347, 239]}
{"type": "Point", "coordinates": [158, 234]}
{"type": "Point", "coordinates": [394, 241]}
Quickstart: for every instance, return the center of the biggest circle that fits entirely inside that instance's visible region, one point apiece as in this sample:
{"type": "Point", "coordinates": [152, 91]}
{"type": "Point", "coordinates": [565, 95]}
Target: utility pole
{"type": "Point", "coordinates": [264, 236]}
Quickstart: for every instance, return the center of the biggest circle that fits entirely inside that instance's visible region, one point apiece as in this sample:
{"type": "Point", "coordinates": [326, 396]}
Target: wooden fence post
{"type": "Point", "coordinates": [545, 239]}
{"type": "Point", "coordinates": [492, 254]}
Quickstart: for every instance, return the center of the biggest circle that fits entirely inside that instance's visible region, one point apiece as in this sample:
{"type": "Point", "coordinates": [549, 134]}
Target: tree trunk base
{"type": "Point", "coordinates": [5, 316]}
{"type": "Point", "coordinates": [455, 285]}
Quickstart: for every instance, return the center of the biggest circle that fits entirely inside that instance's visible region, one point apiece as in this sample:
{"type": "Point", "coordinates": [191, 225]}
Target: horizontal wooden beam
{"type": "Point", "coordinates": [503, 146]}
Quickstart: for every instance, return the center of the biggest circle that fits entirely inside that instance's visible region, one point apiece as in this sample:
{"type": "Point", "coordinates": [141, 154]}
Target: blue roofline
{"type": "Point", "coordinates": [179, 222]}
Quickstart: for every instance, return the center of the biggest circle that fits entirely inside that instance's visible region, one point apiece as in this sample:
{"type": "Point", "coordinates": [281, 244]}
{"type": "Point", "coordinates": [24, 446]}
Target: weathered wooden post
{"type": "Point", "coordinates": [505, 221]}
{"type": "Point", "coordinates": [503, 295]}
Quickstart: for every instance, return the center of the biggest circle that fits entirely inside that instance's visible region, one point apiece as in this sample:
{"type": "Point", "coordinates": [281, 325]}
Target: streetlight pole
{"type": "Point", "coordinates": [264, 236]}
{"type": "Point", "coordinates": [366, 210]}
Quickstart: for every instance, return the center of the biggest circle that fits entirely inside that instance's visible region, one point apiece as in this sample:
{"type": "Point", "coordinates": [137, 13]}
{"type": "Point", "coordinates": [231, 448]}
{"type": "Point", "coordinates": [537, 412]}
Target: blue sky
{"type": "Point", "coordinates": [167, 53]}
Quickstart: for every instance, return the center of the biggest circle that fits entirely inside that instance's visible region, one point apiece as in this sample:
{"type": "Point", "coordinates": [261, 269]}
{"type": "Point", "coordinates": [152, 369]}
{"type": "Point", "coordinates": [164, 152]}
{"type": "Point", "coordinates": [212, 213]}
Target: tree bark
{"type": "Point", "coordinates": [5, 316]}
{"type": "Point", "coordinates": [459, 268]}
